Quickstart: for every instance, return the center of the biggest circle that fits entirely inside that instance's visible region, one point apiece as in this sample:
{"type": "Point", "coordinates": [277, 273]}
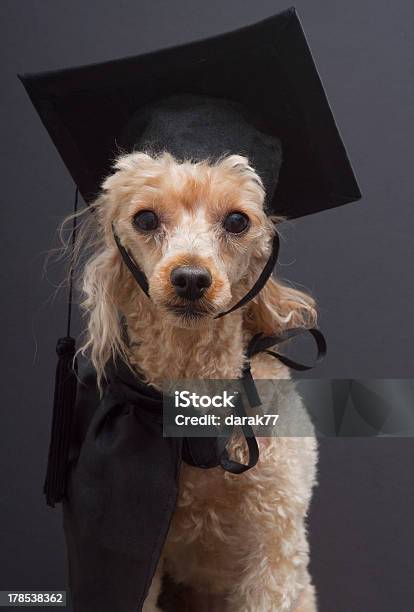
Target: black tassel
{"type": "Point", "coordinates": [66, 381]}
{"type": "Point", "coordinates": [63, 407]}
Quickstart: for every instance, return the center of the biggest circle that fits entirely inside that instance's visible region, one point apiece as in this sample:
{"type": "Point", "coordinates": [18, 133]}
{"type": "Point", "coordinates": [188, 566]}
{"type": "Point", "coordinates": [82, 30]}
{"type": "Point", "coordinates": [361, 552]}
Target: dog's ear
{"type": "Point", "coordinates": [102, 280]}
{"type": "Point", "coordinates": [278, 307]}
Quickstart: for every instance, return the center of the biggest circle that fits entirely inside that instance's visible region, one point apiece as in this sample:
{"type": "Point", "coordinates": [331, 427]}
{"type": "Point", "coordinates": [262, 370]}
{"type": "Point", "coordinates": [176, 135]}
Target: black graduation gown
{"type": "Point", "coordinates": [121, 491]}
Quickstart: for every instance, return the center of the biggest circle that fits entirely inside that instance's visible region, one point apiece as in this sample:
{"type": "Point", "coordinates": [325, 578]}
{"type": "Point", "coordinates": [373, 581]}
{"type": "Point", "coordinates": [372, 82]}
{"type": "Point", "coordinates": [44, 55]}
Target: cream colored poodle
{"type": "Point", "coordinates": [200, 234]}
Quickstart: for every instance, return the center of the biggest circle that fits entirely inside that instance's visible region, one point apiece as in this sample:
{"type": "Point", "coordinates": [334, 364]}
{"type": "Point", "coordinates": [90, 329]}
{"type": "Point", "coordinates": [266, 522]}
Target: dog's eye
{"type": "Point", "coordinates": [236, 222]}
{"type": "Point", "coordinates": [146, 220]}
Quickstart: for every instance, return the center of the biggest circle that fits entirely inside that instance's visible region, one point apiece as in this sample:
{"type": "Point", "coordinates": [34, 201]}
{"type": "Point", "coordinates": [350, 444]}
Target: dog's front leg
{"type": "Point", "coordinates": [274, 584]}
{"type": "Point", "coordinates": [274, 552]}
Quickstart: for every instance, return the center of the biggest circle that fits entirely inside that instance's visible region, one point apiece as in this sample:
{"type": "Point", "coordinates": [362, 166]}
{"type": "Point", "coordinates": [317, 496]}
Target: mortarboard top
{"type": "Point", "coordinates": [266, 68]}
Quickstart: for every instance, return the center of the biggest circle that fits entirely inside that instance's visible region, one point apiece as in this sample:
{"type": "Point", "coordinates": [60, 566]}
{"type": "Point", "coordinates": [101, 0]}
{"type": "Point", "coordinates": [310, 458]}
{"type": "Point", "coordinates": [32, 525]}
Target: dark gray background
{"type": "Point", "coordinates": [357, 260]}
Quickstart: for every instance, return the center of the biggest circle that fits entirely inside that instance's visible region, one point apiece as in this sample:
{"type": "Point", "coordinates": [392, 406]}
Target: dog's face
{"type": "Point", "coordinates": [196, 230]}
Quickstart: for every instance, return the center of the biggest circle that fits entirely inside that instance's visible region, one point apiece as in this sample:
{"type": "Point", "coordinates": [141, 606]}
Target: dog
{"type": "Point", "coordinates": [201, 235]}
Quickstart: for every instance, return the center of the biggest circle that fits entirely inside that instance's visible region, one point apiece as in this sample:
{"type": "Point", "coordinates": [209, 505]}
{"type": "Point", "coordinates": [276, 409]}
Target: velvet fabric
{"type": "Point", "coordinates": [201, 127]}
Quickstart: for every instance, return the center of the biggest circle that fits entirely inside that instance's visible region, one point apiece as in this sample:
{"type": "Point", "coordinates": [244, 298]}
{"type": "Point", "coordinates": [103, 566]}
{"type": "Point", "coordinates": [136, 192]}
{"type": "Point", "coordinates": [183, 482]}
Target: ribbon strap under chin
{"type": "Point", "coordinates": [261, 281]}
{"type": "Point", "coordinates": [131, 264]}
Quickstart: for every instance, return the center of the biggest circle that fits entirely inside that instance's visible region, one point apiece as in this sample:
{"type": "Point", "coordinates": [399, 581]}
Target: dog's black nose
{"type": "Point", "coordinates": [190, 282]}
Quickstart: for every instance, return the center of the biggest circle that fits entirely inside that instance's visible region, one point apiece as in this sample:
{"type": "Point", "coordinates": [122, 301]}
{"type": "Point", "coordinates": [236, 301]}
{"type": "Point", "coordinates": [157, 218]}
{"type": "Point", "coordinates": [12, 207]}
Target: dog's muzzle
{"type": "Point", "coordinates": [196, 282]}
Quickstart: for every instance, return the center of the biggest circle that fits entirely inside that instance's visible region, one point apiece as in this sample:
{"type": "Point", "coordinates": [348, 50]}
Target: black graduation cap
{"type": "Point", "coordinates": [242, 92]}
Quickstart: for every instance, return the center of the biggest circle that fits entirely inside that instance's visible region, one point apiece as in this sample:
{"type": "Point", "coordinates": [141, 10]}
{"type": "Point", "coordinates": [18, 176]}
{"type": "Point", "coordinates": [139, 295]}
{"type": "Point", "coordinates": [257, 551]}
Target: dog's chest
{"type": "Point", "coordinates": [164, 354]}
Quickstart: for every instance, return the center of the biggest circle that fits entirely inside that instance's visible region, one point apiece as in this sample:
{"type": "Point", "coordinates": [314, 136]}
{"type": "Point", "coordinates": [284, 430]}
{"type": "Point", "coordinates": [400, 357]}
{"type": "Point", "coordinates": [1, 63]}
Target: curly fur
{"type": "Point", "coordinates": [241, 538]}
